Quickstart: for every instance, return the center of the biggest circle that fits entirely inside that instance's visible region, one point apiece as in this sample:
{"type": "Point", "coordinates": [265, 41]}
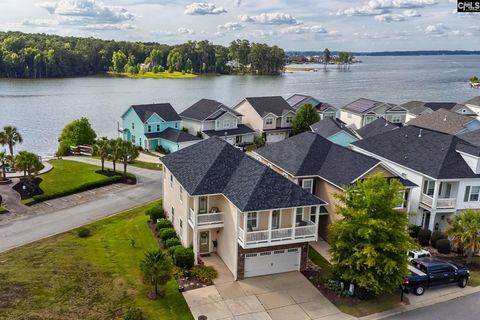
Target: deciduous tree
{"type": "Point", "coordinates": [304, 118]}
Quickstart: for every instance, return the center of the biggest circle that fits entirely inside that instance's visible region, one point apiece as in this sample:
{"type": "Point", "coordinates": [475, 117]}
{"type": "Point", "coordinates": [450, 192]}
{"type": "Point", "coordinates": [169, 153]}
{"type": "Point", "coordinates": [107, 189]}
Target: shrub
{"type": "Point", "coordinates": [84, 232]}
{"type": "Point", "coordinates": [134, 314]}
{"type": "Point", "coordinates": [413, 230]}
{"type": "Point", "coordinates": [437, 235]}
{"type": "Point", "coordinates": [155, 213]}
{"type": "Point", "coordinates": [173, 242]}
{"type": "Point", "coordinates": [171, 250]}
{"type": "Point", "coordinates": [363, 294]}
{"type": "Point", "coordinates": [199, 134]}
{"type": "Point", "coordinates": [163, 224]}
{"type": "Point", "coordinates": [183, 257]}
{"type": "Point", "coordinates": [167, 233]}
{"type": "Point", "coordinates": [424, 237]}
{"type": "Point", "coordinates": [204, 273]}
{"type": "Point", "coordinates": [443, 246]}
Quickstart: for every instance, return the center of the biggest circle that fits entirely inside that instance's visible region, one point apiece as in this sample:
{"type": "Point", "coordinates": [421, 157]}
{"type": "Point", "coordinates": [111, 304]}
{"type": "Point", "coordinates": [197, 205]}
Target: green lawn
{"type": "Point", "coordinates": [69, 177]}
{"type": "Point", "coordinates": [158, 75]}
{"type": "Point", "coordinates": [2, 209]}
{"type": "Point", "coordinates": [475, 275]}
{"type": "Point", "coordinates": [379, 304]}
{"type": "Point", "coordinates": [145, 165]}
{"type": "Point", "coordinates": [67, 277]}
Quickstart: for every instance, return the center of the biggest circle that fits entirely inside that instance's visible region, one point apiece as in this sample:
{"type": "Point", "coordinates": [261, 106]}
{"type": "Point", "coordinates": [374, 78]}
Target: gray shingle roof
{"type": "Point", "coordinates": [429, 152]}
{"type": "Point", "coordinates": [419, 107]}
{"type": "Point", "coordinates": [378, 126]}
{"type": "Point", "coordinates": [241, 129]}
{"type": "Point", "coordinates": [204, 108]}
{"type": "Point", "coordinates": [172, 134]}
{"type": "Point", "coordinates": [265, 105]}
{"type": "Point", "coordinates": [213, 166]}
{"type": "Point", "coordinates": [329, 126]}
{"type": "Point", "coordinates": [163, 110]}
{"type": "Point", "coordinates": [297, 100]}
{"type": "Point", "coordinates": [361, 105]}
{"type": "Point", "coordinates": [309, 154]}
{"type": "Point", "coordinates": [474, 101]}
{"type": "Point", "coordinates": [442, 120]}
{"type": "Point", "coordinates": [472, 137]}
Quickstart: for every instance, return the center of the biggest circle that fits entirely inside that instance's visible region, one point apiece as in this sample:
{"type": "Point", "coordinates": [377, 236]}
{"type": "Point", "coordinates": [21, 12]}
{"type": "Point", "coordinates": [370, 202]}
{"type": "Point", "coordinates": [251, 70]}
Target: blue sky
{"type": "Point", "coordinates": [353, 25]}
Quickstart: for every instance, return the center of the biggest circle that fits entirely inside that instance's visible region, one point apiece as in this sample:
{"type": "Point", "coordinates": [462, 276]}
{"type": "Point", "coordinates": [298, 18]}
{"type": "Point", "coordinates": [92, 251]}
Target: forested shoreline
{"type": "Point", "coordinates": [36, 56]}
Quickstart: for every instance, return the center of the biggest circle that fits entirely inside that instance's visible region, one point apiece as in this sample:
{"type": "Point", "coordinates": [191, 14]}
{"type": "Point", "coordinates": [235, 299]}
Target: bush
{"type": "Point", "coordinates": [134, 314]}
{"type": "Point", "coordinates": [259, 141]}
{"type": "Point", "coordinates": [155, 213]}
{"type": "Point", "coordinates": [183, 257]}
{"type": "Point", "coordinates": [164, 224]}
{"type": "Point", "coordinates": [413, 230]}
{"type": "Point", "coordinates": [424, 237]}
{"type": "Point", "coordinates": [437, 235]}
{"type": "Point", "coordinates": [443, 246]}
{"type": "Point", "coordinates": [204, 273]}
{"type": "Point", "coordinates": [171, 250]}
{"type": "Point", "coordinates": [199, 134]}
{"type": "Point", "coordinates": [173, 242]}
{"type": "Point", "coordinates": [84, 232]}
{"type": "Point", "coordinates": [167, 233]}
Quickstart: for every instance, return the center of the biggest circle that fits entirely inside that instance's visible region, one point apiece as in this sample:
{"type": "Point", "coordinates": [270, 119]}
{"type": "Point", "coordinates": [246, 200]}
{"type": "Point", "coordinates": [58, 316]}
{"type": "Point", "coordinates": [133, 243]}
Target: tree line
{"type": "Point", "coordinates": [25, 55]}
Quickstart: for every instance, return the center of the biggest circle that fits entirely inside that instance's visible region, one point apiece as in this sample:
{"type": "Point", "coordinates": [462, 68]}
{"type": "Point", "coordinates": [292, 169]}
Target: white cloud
{"type": "Point", "coordinates": [380, 7]}
{"type": "Point", "coordinates": [237, 3]}
{"type": "Point", "coordinates": [304, 29]}
{"type": "Point", "coordinates": [203, 8]}
{"type": "Point", "coordinates": [411, 13]}
{"type": "Point", "coordinates": [261, 34]}
{"type": "Point", "coordinates": [230, 26]}
{"type": "Point", "coordinates": [397, 17]}
{"type": "Point", "coordinates": [276, 18]}
{"type": "Point", "coordinates": [437, 30]}
{"type": "Point", "coordinates": [185, 31]}
{"type": "Point", "coordinates": [41, 23]}
{"type": "Point", "coordinates": [400, 35]}
{"type": "Point", "coordinates": [361, 11]}
{"type": "Point", "coordinates": [110, 26]}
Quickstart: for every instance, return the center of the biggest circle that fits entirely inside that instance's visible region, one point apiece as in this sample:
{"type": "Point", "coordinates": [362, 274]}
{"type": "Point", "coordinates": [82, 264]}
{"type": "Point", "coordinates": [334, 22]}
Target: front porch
{"type": "Point", "coordinates": [433, 220]}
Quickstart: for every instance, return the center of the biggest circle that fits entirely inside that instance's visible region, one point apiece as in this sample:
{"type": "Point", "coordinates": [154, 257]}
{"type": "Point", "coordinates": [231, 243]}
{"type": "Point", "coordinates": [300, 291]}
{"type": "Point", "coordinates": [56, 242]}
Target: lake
{"type": "Point", "coordinates": [41, 108]}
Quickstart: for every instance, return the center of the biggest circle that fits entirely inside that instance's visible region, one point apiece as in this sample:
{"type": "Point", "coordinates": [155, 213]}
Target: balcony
{"type": "Point", "coordinates": [250, 239]}
{"type": "Point", "coordinates": [205, 220]}
{"type": "Point", "coordinates": [442, 203]}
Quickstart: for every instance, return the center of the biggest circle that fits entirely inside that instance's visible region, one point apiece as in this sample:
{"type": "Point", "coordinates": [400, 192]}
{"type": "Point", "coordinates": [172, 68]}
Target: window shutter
{"type": "Point", "coordinates": [467, 194]}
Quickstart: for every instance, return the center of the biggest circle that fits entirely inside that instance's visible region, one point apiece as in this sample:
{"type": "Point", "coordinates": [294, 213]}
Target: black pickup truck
{"type": "Point", "coordinates": [430, 272]}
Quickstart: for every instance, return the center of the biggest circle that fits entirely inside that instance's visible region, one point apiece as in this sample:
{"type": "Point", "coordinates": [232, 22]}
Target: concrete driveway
{"type": "Point", "coordinates": [285, 296]}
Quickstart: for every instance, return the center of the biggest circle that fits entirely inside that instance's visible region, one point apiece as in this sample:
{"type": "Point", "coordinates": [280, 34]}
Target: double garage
{"type": "Point", "coordinates": [271, 262]}
{"type": "Point", "coordinates": [272, 137]}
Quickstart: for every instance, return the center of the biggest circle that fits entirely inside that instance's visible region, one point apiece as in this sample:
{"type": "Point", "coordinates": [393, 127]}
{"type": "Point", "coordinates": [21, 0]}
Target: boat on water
{"type": "Point", "coordinates": [475, 85]}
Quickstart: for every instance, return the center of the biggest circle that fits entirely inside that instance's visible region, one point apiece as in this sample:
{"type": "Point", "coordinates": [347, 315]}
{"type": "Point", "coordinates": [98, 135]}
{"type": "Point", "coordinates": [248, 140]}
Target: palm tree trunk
{"type": "Point", "coordinates": [125, 168]}
{"type": "Point", "coordinates": [4, 171]}
{"type": "Point", "coordinates": [114, 166]}
{"type": "Point", "coordinates": [103, 163]}
{"type": "Point", "coordinates": [156, 288]}
{"type": "Point", "coordinates": [10, 147]}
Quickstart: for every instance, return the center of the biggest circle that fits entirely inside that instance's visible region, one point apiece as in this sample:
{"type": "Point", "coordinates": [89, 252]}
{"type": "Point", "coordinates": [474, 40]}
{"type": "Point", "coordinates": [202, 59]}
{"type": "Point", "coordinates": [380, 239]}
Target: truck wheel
{"type": "Point", "coordinates": [462, 282]}
{"type": "Point", "coordinates": [419, 290]}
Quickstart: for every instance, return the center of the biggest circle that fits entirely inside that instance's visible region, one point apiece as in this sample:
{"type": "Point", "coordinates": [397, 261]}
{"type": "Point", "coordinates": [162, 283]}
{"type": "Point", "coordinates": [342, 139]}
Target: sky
{"type": "Point", "coordinates": [351, 25]}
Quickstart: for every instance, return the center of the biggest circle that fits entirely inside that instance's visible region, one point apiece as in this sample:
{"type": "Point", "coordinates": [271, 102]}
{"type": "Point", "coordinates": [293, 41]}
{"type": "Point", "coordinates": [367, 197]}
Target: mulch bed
{"type": "Point", "coordinates": [111, 173]}
{"type": "Point", "coordinates": [29, 191]}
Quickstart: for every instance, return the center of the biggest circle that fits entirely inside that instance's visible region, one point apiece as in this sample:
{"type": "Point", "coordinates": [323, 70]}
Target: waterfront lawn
{"type": "Point", "coordinates": [68, 177]}
{"type": "Point", "coordinates": [68, 277]}
{"type": "Point", "coordinates": [158, 75]}
{"type": "Point", "coordinates": [355, 307]}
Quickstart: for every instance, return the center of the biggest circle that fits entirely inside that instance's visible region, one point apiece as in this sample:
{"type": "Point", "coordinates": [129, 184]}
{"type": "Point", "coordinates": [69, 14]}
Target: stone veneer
{"type": "Point", "coordinates": [241, 255]}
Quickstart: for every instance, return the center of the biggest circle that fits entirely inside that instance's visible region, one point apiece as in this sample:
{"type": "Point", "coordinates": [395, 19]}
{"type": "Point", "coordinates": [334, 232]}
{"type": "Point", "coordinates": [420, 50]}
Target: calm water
{"type": "Point", "coordinates": [40, 108]}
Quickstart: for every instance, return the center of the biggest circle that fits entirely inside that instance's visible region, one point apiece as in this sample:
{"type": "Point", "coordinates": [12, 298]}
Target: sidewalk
{"type": "Point", "coordinates": [46, 168]}
{"type": "Point", "coordinates": [322, 247]}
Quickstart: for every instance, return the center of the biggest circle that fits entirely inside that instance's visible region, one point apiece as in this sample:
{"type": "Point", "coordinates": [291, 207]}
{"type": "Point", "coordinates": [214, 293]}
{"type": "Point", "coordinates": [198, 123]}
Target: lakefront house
{"type": "Point", "coordinates": [270, 117]}
{"type": "Point", "coordinates": [363, 111]}
{"type": "Point", "coordinates": [209, 118]}
{"type": "Point", "coordinates": [446, 167]}
{"type": "Point", "coordinates": [152, 126]}
{"type": "Point", "coordinates": [222, 201]}
{"type": "Point", "coordinates": [416, 108]}
{"type": "Point", "coordinates": [325, 110]}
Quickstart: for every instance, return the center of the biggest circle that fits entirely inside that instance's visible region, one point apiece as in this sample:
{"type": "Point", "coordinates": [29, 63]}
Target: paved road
{"type": "Point", "coordinates": [465, 308]}
{"type": "Point", "coordinates": [31, 228]}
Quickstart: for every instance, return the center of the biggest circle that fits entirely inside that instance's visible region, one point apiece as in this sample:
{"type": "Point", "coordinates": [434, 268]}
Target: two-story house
{"type": "Point", "coordinates": [378, 126]}
{"type": "Point", "coordinates": [363, 111]}
{"type": "Point", "coordinates": [325, 110]}
{"type": "Point", "coordinates": [221, 200]}
{"type": "Point", "coordinates": [416, 108]}
{"type": "Point", "coordinates": [269, 116]}
{"type": "Point", "coordinates": [446, 167]}
{"type": "Point", "coordinates": [214, 119]}
{"type": "Point", "coordinates": [152, 125]}
{"type": "Point", "coordinates": [446, 121]}
{"type": "Point", "coordinates": [334, 130]}
{"type": "Point", "coordinates": [324, 168]}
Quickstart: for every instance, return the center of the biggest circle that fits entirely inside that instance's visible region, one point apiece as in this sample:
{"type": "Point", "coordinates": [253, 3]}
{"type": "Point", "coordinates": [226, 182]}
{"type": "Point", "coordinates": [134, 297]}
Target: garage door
{"type": "Point", "coordinates": [275, 137]}
{"type": "Point", "coordinates": [269, 262]}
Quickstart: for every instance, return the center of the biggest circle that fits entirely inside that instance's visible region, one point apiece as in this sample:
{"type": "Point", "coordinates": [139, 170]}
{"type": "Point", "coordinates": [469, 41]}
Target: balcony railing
{"type": "Point", "coordinates": [442, 203]}
{"type": "Point", "coordinates": [274, 236]}
{"type": "Point", "coordinates": [204, 219]}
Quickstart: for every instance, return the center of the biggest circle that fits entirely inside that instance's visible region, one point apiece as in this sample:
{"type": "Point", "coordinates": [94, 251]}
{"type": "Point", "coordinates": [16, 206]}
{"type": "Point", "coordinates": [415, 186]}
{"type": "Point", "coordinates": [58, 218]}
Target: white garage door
{"type": "Point", "coordinates": [269, 262]}
{"type": "Point", "coordinates": [275, 137]}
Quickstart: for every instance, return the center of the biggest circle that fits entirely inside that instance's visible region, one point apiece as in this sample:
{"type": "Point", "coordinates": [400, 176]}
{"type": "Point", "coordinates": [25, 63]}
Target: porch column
{"type": "Point", "coordinates": [270, 225]}
{"type": "Point", "coordinates": [436, 189]}
{"type": "Point", "coordinates": [294, 214]}
{"type": "Point", "coordinates": [245, 227]}
{"type": "Point", "coordinates": [431, 225]}
{"type": "Point", "coordinates": [317, 218]}
{"type": "Point", "coordinates": [195, 244]}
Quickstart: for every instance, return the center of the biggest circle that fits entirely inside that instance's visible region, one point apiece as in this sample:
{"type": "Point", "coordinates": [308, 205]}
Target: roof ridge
{"type": "Point", "coordinates": [212, 164]}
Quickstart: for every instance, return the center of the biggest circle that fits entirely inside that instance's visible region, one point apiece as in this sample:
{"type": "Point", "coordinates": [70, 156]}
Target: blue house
{"type": "Point", "coordinates": [152, 126]}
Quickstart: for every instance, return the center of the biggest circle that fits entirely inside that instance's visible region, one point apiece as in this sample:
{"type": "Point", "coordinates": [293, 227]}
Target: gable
{"type": "Point", "coordinates": [131, 115]}
{"type": "Point", "coordinates": [154, 118]}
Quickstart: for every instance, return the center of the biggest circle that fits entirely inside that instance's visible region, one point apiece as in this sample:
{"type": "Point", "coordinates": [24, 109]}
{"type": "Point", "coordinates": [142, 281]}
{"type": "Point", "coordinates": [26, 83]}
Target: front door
{"type": "Point", "coordinates": [204, 242]}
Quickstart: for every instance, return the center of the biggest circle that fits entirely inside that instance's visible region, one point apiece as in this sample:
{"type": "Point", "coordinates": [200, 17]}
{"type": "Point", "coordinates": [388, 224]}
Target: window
{"type": "Point", "coordinates": [234, 122]}
{"type": "Point", "coordinates": [269, 121]}
{"type": "Point", "coordinates": [472, 193]}
{"type": "Point", "coordinates": [401, 205]}
{"type": "Point", "coordinates": [313, 212]}
{"type": "Point", "coordinates": [369, 119]}
{"type": "Point", "coordinates": [176, 125]}
{"type": "Point", "coordinates": [181, 194]}
{"type": "Point", "coordinates": [307, 185]}
{"type": "Point", "coordinates": [396, 118]}
{"type": "Point", "coordinates": [251, 220]}
{"type": "Point", "coordinates": [171, 181]}
{"type": "Point", "coordinates": [181, 228]}
{"type": "Point", "coordinates": [158, 127]}
{"type": "Point", "coordinates": [133, 125]}
{"type": "Point", "coordinates": [275, 219]}
{"type": "Point", "coordinates": [349, 115]}
{"type": "Point", "coordinates": [298, 215]}
{"type": "Point", "coordinates": [217, 123]}
{"type": "Point", "coordinates": [429, 187]}
{"type": "Point", "coordinates": [289, 119]}
{"type": "Point", "coordinates": [133, 139]}
{"type": "Point", "coordinates": [226, 123]}
{"type": "Point", "coordinates": [149, 128]}
{"type": "Point", "coordinates": [173, 216]}
{"type": "Point", "coordinates": [203, 205]}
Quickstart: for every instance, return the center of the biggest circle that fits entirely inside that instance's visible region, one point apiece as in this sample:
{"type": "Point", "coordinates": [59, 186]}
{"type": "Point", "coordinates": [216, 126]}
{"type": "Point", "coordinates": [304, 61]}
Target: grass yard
{"type": "Point", "coordinates": [362, 307]}
{"type": "Point", "coordinates": [68, 277]}
{"type": "Point", "coordinates": [69, 177]}
{"type": "Point", "coordinates": [145, 165]}
{"type": "Point", "coordinates": [158, 75]}
{"type": "Point", "coordinates": [475, 274]}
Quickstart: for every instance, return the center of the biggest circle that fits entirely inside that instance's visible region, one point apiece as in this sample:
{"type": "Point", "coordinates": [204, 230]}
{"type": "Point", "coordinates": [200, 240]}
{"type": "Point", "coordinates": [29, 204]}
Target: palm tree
{"type": "Point", "coordinates": [103, 149]}
{"type": "Point", "coordinates": [155, 268]}
{"type": "Point", "coordinates": [10, 136]}
{"type": "Point", "coordinates": [115, 151]}
{"type": "Point", "coordinates": [464, 230]}
{"type": "Point", "coordinates": [28, 162]}
{"type": "Point", "coordinates": [3, 161]}
{"type": "Point", "coordinates": [127, 153]}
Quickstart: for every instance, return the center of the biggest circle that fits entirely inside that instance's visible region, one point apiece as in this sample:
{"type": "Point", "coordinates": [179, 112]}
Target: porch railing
{"type": "Point", "coordinates": [205, 219]}
{"type": "Point", "coordinates": [305, 233]}
{"type": "Point", "coordinates": [441, 202]}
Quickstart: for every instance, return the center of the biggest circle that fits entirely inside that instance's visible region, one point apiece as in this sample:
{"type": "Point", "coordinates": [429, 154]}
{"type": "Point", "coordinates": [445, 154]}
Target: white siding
{"type": "Point", "coordinates": [192, 126]}
{"type": "Point", "coordinates": [227, 238]}
{"type": "Point", "coordinates": [351, 119]}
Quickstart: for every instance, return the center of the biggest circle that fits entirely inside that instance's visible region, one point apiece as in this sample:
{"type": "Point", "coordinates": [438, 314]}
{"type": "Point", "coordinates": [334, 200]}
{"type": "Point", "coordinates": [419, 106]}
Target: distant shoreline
{"type": "Point", "coordinates": [395, 53]}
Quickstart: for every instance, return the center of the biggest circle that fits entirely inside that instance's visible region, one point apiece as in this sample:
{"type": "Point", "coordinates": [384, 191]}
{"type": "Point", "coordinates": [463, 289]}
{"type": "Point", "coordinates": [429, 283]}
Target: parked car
{"type": "Point", "coordinates": [430, 272]}
{"type": "Point", "coordinates": [416, 254]}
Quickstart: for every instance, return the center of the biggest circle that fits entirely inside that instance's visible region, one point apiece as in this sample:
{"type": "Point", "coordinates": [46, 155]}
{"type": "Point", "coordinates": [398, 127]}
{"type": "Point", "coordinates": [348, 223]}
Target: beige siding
{"type": "Point", "coordinates": [274, 122]}
{"type": "Point", "coordinates": [286, 218]}
{"type": "Point", "coordinates": [351, 119]}
{"type": "Point", "coordinates": [379, 170]}
{"type": "Point", "coordinates": [326, 192]}
{"type": "Point", "coordinates": [227, 236]}
{"type": "Point", "coordinates": [250, 116]}
{"type": "Point", "coordinates": [284, 123]}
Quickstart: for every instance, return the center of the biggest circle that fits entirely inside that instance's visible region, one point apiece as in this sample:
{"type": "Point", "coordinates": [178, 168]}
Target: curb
{"type": "Point", "coordinates": [446, 297]}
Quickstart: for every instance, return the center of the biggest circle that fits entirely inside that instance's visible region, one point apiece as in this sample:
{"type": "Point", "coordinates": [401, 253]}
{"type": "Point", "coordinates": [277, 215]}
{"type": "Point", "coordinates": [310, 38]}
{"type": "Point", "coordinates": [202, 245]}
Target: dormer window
{"type": "Point", "coordinates": [158, 127]}
{"type": "Point", "coordinates": [226, 123]}
{"type": "Point", "coordinates": [234, 122]}
{"type": "Point", "coordinates": [289, 119]}
{"type": "Point", "coordinates": [269, 121]}
{"type": "Point", "coordinates": [133, 125]}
